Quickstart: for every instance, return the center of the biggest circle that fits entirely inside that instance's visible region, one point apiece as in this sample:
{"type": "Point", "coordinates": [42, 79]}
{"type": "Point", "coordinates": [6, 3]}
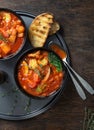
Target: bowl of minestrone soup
{"type": "Point", "coordinates": [12, 33]}
{"type": "Point", "coordinates": [39, 72]}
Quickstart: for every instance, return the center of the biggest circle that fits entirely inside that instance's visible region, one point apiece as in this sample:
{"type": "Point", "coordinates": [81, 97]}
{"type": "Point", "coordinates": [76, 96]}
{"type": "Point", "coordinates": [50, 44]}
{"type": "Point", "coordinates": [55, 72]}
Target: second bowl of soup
{"type": "Point", "coordinates": [39, 72]}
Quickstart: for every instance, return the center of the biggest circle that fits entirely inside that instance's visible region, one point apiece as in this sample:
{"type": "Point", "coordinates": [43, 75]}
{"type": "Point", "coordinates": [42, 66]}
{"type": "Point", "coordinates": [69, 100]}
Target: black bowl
{"type": "Point", "coordinates": [20, 60]}
{"type": "Point", "coordinates": [25, 34]}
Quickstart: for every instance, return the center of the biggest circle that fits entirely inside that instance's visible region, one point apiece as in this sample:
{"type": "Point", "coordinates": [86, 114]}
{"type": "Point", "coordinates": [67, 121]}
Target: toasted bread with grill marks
{"type": "Point", "coordinates": [39, 29]}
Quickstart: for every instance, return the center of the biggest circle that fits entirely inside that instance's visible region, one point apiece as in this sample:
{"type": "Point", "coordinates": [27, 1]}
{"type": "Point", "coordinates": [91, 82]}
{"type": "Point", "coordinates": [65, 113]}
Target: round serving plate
{"type": "Point", "coordinates": [14, 105]}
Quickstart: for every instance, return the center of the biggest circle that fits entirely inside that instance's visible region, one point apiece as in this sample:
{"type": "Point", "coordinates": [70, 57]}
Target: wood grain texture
{"type": "Point", "coordinates": [76, 18]}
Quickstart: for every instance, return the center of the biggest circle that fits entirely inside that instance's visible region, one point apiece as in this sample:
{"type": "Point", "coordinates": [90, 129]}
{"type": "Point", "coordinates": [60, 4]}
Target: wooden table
{"type": "Point", "coordinates": [77, 20]}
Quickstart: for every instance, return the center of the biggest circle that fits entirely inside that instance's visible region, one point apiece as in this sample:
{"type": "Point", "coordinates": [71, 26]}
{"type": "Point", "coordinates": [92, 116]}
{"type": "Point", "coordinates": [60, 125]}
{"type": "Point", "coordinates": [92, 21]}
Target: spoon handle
{"type": "Point", "coordinates": [77, 86]}
{"type": "Point", "coordinates": [84, 83]}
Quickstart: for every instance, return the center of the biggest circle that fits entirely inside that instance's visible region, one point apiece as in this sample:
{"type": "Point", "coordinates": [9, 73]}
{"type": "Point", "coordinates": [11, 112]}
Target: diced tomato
{"type": "Point", "coordinates": [30, 83]}
{"type": "Point", "coordinates": [32, 80]}
{"type": "Point", "coordinates": [5, 34]}
{"type": "Point", "coordinates": [36, 77]}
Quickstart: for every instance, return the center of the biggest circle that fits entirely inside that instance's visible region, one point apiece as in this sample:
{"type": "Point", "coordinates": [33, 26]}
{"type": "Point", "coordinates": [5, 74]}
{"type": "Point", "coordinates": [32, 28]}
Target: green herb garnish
{"type": "Point", "coordinates": [54, 60]}
{"type": "Point", "coordinates": [2, 38]}
{"type": "Point", "coordinates": [40, 88]}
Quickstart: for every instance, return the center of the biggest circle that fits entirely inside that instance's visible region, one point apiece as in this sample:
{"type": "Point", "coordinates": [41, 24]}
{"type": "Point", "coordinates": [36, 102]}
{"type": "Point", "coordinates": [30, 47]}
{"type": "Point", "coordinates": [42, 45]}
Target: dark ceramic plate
{"type": "Point", "coordinates": [14, 105]}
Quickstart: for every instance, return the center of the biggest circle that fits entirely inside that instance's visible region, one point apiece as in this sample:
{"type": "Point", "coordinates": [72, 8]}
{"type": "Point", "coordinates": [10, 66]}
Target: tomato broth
{"type": "Point", "coordinates": [40, 73]}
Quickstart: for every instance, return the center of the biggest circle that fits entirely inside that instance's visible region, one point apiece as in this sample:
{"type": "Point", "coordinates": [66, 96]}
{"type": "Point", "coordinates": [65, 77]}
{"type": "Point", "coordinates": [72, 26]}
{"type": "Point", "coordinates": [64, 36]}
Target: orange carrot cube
{"type": "Point", "coordinates": [5, 48]}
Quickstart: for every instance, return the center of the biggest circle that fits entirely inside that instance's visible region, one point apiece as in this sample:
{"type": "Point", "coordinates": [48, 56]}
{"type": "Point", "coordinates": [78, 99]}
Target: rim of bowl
{"type": "Point", "coordinates": [25, 34]}
{"type": "Point", "coordinates": [17, 66]}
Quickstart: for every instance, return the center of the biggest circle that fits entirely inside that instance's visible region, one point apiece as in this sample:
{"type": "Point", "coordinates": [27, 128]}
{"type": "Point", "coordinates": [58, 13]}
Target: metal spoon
{"type": "Point", "coordinates": [76, 78]}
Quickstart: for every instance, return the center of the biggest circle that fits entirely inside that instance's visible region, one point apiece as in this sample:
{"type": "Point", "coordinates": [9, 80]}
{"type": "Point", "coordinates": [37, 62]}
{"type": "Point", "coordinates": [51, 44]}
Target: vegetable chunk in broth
{"type": "Point", "coordinates": [40, 73]}
{"type": "Point", "coordinates": [11, 33]}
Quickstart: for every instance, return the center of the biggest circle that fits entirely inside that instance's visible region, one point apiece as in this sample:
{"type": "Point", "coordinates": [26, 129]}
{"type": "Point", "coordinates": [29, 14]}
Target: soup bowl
{"type": "Point", "coordinates": [39, 72]}
{"type": "Point", "coordinates": [12, 33]}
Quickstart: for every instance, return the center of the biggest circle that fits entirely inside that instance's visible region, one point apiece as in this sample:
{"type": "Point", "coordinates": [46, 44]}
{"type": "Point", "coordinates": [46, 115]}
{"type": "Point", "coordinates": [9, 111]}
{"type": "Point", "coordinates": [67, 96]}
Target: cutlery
{"type": "Point", "coordinates": [76, 78]}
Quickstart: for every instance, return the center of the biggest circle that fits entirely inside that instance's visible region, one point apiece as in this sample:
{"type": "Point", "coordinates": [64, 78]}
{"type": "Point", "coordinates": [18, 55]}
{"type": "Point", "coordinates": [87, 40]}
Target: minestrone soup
{"type": "Point", "coordinates": [11, 33]}
{"type": "Point", "coordinates": [40, 73]}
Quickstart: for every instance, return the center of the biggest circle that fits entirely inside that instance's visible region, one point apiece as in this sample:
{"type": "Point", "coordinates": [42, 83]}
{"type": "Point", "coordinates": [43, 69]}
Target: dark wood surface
{"type": "Point", "coordinates": [77, 20]}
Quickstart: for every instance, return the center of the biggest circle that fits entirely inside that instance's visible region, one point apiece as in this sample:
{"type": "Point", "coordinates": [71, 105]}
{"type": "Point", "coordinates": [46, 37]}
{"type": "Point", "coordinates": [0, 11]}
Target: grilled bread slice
{"type": "Point", "coordinates": [39, 29]}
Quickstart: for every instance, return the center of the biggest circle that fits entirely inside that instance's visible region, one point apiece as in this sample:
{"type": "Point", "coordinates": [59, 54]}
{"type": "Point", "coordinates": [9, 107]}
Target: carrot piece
{"type": "Point", "coordinates": [5, 48]}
